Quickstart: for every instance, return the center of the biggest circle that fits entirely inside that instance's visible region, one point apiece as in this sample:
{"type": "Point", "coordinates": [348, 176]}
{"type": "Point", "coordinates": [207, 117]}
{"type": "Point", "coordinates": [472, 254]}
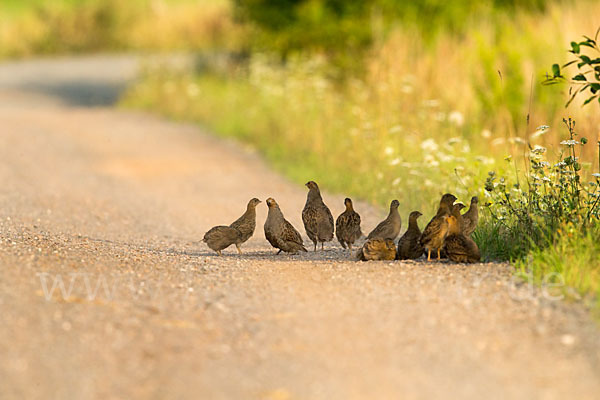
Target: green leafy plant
{"type": "Point", "coordinates": [532, 206]}
{"type": "Point", "coordinates": [587, 80]}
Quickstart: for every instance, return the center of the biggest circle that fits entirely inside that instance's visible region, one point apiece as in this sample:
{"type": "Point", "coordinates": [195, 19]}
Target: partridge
{"type": "Point", "coordinates": [347, 226]}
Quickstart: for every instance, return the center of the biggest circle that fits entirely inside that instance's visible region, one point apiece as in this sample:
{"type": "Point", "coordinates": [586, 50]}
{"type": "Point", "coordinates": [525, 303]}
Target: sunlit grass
{"type": "Point", "coordinates": [35, 27]}
{"type": "Point", "coordinates": [570, 261]}
{"type": "Point", "coordinates": [422, 120]}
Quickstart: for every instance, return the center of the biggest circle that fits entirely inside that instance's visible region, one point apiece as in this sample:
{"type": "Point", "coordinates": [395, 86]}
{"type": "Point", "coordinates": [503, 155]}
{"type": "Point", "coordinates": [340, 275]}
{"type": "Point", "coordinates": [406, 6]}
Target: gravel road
{"type": "Point", "coordinates": [113, 205]}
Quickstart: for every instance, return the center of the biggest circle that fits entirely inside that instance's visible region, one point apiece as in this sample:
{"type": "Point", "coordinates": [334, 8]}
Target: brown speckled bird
{"type": "Point", "coordinates": [456, 208]}
{"type": "Point", "coordinates": [279, 232]}
{"type": "Point", "coordinates": [220, 237]}
{"type": "Point", "coordinates": [436, 230]}
{"type": "Point", "coordinates": [389, 228]}
{"type": "Point", "coordinates": [317, 218]}
{"type": "Point", "coordinates": [470, 219]}
{"type": "Point", "coordinates": [347, 226]}
{"type": "Point", "coordinates": [377, 249]}
{"type": "Point", "coordinates": [246, 223]}
{"type": "Point", "coordinates": [409, 246]}
{"type": "Point", "coordinates": [460, 248]}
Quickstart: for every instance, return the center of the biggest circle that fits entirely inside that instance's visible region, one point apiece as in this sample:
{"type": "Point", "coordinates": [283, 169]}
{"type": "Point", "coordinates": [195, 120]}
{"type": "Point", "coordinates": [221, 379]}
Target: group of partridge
{"type": "Point", "coordinates": [448, 233]}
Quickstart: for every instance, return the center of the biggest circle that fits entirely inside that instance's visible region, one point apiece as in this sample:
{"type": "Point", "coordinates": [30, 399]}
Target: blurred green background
{"type": "Point", "coordinates": [375, 98]}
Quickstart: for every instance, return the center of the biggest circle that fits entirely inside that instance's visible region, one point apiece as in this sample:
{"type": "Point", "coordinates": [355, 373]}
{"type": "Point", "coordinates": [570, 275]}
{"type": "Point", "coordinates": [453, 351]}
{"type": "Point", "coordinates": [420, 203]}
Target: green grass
{"type": "Point", "coordinates": [570, 261]}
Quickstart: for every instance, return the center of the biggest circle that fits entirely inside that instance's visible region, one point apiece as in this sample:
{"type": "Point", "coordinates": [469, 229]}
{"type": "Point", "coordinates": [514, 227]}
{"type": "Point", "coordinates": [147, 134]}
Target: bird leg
{"type": "Point", "coordinates": [278, 252]}
{"type": "Point", "coordinates": [219, 252]}
{"type": "Point", "coordinates": [322, 246]}
{"type": "Point", "coordinates": [315, 246]}
{"type": "Point", "coordinates": [428, 254]}
{"type": "Point", "coordinates": [350, 247]}
{"type": "Point", "coordinates": [238, 248]}
{"type": "Point", "coordinates": [439, 257]}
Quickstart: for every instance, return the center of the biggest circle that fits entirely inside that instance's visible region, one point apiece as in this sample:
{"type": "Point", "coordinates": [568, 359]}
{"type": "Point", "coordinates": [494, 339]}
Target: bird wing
{"type": "Point", "coordinates": [340, 227]}
{"type": "Point", "coordinates": [355, 223]}
{"type": "Point", "coordinates": [271, 238]}
{"type": "Point", "coordinates": [379, 230]}
{"type": "Point", "coordinates": [432, 230]}
{"type": "Point", "coordinates": [290, 233]}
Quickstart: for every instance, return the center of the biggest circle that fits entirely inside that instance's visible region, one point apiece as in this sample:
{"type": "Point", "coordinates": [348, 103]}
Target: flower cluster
{"type": "Point", "coordinates": [550, 193]}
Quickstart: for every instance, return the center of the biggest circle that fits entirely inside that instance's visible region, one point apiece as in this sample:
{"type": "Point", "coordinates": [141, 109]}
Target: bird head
{"type": "Point", "coordinates": [415, 215]}
{"type": "Point", "coordinates": [474, 200]}
{"type": "Point", "coordinates": [459, 206]}
{"type": "Point", "coordinates": [312, 185]}
{"type": "Point", "coordinates": [271, 202]}
{"type": "Point", "coordinates": [448, 199]}
{"type": "Point", "coordinates": [254, 202]}
{"type": "Point", "coordinates": [348, 203]}
{"type": "Point", "coordinates": [394, 204]}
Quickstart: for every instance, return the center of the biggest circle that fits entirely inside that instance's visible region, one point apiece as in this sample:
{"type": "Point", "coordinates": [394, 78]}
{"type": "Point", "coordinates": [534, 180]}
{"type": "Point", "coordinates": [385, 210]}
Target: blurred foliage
{"type": "Point", "coordinates": [341, 28]}
{"type": "Point", "coordinates": [587, 78]}
{"type": "Point", "coordinates": [32, 27]}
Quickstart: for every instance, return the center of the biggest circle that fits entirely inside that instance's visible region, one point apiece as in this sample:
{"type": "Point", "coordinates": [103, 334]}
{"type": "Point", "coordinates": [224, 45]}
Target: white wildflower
{"type": "Point", "coordinates": [596, 175]}
{"type": "Point", "coordinates": [431, 103]}
{"type": "Point", "coordinates": [396, 129]}
{"type": "Point", "coordinates": [498, 141]}
{"type": "Point", "coordinates": [484, 160]}
{"type": "Point", "coordinates": [389, 150]}
{"type": "Point", "coordinates": [538, 150]}
{"type": "Point", "coordinates": [428, 183]}
{"type": "Point", "coordinates": [560, 164]}
{"type": "Point", "coordinates": [453, 140]}
{"type": "Point", "coordinates": [431, 161]}
{"type": "Point", "coordinates": [456, 118]}
{"type": "Point", "coordinates": [540, 130]}
{"type": "Point", "coordinates": [517, 140]}
{"type": "Point", "coordinates": [439, 116]}
{"type": "Point", "coordinates": [569, 142]}
{"type": "Point", "coordinates": [396, 182]}
{"type": "Point", "coordinates": [486, 133]}
{"type": "Point", "coordinates": [395, 161]}
{"type": "Point", "coordinates": [429, 145]}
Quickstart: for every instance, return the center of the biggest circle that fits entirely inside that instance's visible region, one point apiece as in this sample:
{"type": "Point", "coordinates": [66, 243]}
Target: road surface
{"type": "Point", "coordinates": [112, 205]}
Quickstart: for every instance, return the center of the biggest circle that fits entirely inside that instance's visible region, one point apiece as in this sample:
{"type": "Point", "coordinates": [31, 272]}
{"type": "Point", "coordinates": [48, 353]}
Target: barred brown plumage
{"type": "Point", "coordinates": [246, 223]}
{"type": "Point", "coordinates": [459, 247]}
{"type": "Point", "coordinates": [347, 226]}
{"type": "Point", "coordinates": [279, 232]}
{"type": "Point", "coordinates": [377, 249]}
{"type": "Point", "coordinates": [389, 228]}
{"type": "Point", "coordinates": [220, 237]}
{"type": "Point", "coordinates": [316, 216]}
{"type": "Point", "coordinates": [470, 219]}
{"type": "Point", "coordinates": [409, 246]}
{"type": "Point", "coordinates": [435, 232]}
